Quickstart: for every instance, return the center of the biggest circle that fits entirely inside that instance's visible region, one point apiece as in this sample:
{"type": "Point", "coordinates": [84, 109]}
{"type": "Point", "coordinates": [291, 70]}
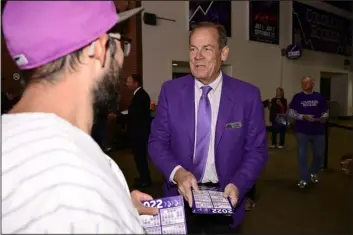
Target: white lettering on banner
{"type": "Point", "coordinates": [293, 53]}
{"type": "Point", "coordinates": [325, 34]}
{"type": "Point", "coordinates": [309, 103]}
{"type": "Point", "coordinates": [266, 31]}
{"type": "Point", "coordinates": [324, 27]}
{"type": "Point", "coordinates": [324, 20]}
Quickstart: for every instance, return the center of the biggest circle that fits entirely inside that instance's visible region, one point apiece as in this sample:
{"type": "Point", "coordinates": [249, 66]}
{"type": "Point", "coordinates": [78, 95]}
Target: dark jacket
{"type": "Point", "coordinates": [278, 106]}
{"type": "Point", "coordinates": [139, 114]}
{"type": "Point", "coordinates": [111, 106]}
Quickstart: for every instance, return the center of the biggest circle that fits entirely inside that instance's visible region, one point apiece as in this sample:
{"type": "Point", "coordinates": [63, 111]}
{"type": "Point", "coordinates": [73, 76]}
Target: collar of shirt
{"type": "Point", "coordinates": [137, 90]}
{"type": "Point", "coordinates": [308, 93]}
{"type": "Point", "coordinates": [214, 85]}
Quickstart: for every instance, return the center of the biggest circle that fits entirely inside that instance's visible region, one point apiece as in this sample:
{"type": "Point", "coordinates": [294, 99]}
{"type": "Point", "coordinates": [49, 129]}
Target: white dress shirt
{"type": "Point", "coordinates": [214, 96]}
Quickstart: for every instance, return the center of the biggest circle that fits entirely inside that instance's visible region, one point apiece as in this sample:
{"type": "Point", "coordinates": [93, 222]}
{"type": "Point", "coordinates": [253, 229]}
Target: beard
{"type": "Point", "coordinates": [107, 89]}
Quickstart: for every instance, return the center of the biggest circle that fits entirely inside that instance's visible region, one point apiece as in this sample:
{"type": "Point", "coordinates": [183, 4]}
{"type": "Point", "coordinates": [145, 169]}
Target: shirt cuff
{"type": "Point", "coordinates": [171, 178]}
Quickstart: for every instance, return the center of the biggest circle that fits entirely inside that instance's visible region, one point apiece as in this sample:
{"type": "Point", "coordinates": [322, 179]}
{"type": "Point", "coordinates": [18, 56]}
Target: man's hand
{"type": "Point", "coordinates": [137, 197]}
{"type": "Point", "coordinates": [186, 181]}
{"type": "Point", "coordinates": [309, 118]}
{"type": "Point", "coordinates": [232, 192]}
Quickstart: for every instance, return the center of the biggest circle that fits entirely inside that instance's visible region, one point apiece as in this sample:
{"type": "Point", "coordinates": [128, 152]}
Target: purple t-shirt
{"type": "Point", "coordinates": [311, 104]}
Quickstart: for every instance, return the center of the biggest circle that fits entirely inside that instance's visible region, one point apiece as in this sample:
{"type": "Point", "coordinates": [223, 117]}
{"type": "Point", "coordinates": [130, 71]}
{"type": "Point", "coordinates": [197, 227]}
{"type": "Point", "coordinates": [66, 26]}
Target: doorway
{"type": "Point", "coordinates": [335, 88]}
{"type": "Point", "coordinates": [325, 87]}
{"type": "Point", "coordinates": [180, 69]}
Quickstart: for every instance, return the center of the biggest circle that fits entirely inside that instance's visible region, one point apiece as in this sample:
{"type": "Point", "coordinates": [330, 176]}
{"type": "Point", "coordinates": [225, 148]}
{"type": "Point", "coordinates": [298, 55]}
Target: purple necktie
{"type": "Point", "coordinates": [202, 133]}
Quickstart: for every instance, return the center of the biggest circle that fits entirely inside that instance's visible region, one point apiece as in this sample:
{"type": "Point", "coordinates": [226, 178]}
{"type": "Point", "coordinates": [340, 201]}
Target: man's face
{"type": "Point", "coordinates": [205, 56]}
{"type": "Point", "coordinates": [131, 84]}
{"type": "Point", "coordinates": [307, 84]}
{"type": "Point", "coordinates": [108, 84]}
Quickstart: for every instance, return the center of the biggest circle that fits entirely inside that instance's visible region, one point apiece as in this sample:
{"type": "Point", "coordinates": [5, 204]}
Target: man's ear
{"type": "Point", "coordinates": [100, 49]}
{"type": "Point", "coordinates": [224, 53]}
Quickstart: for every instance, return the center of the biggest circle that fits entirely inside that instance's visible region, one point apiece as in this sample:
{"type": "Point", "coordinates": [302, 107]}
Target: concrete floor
{"type": "Point", "coordinates": [281, 207]}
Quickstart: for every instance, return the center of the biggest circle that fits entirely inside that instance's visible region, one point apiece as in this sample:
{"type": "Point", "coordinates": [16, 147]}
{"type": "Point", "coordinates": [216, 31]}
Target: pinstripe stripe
{"type": "Point", "coordinates": [35, 156]}
{"type": "Point", "coordinates": [26, 132]}
{"type": "Point", "coordinates": [32, 120]}
{"type": "Point", "coordinates": [37, 174]}
{"type": "Point", "coordinates": [25, 144]}
{"type": "Point", "coordinates": [97, 228]}
{"type": "Point", "coordinates": [72, 228]}
{"type": "Point", "coordinates": [58, 208]}
{"type": "Point", "coordinates": [56, 186]}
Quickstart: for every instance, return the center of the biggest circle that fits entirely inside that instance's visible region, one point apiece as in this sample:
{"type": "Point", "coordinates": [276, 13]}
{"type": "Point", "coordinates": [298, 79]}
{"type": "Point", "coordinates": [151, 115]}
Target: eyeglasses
{"type": "Point", "coordinates": [125, 43]}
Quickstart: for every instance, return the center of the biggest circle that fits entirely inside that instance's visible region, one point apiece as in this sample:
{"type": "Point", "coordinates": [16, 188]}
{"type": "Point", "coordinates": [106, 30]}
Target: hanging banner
{"type": "Point", "coordinates": [264, 21]}
{"type": "Point", "coordinates": [219, 12]}
{"type": "Point", "coordinates": [322, 31]}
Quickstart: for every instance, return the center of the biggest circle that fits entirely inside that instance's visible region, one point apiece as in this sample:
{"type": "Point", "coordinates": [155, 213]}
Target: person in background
{"type": "Point", "coordinates": [209, 129]}
{"type": "Point", "coordinates": [310, 110]}
{"type": "Point", "coordinates": [105, 113]}
{"type": "Point", "coordinates": [138, 128]}
{"type": "Point", "coordinates": [278, 106]}
{"type": "Point", "coordinates": [100, 125]}
{"type": "Point", "coordinates": [55, 178]}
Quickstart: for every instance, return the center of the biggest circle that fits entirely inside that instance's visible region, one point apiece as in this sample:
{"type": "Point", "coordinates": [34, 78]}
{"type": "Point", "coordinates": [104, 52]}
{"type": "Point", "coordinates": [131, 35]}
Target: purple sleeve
{"type": "Point", "coordinates": [256, 153]}
{"type": "Point", "coordinates": [159, 140]}
{"type": "Point", "coordinates": [323, 105]}
{"type": "Point", "coordinates": [294, 103]}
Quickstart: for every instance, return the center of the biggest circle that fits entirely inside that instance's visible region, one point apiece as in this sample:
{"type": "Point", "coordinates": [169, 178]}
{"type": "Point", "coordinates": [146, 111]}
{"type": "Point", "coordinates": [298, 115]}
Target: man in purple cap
{"type": "Point", "coordinates": [55, 178]}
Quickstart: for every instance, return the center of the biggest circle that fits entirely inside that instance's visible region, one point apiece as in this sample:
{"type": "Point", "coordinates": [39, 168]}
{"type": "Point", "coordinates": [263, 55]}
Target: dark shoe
{"type": "Point", "coordinates": [314, 178]}
{"type": "Point", "coordinates": [302, 184]}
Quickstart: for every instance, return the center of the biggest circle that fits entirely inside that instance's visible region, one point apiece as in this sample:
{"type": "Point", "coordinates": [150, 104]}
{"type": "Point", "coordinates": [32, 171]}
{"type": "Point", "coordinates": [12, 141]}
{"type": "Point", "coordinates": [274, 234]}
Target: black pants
{"type": "Point", "coordinates": [100, 131]}
{"type": "Point", "coordinates": [138, 145]}
{"type": "Point", "coordinates": [281, 129]}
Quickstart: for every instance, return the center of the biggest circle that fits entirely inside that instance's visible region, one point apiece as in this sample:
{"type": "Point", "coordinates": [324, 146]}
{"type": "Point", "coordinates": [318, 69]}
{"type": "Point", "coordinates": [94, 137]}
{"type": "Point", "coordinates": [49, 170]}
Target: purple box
{"type": "Point", "coordinates": [169, 220]}
{"type": "Point", "coordinates": [210, 200]}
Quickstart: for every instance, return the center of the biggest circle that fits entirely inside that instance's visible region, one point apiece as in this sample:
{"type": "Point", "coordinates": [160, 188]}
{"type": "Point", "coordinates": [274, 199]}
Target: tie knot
{"type": "Point", "coordinates": [206, 90]}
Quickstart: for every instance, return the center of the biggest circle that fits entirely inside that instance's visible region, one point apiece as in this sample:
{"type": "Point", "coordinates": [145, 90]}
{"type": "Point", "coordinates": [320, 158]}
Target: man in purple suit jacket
{"type": "Point", "coordinates": [209, 128]}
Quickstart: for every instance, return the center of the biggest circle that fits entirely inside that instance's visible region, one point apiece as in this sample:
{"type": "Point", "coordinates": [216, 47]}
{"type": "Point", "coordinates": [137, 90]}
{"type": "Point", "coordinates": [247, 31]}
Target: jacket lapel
{"type": "Point", "coordinates": [188, 108]}
{"type": "Point", "coordinates": [225, 109]}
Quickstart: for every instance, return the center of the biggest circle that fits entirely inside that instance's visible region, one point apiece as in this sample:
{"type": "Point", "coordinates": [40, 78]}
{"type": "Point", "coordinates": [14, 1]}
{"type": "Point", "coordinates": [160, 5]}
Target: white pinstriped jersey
{"type": "Point", "coordinates": [56, 179]}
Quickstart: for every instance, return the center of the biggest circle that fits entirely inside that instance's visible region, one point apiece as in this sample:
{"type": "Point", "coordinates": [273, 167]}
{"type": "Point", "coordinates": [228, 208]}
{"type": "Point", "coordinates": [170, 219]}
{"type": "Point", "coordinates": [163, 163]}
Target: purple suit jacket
{"type": "Point", "coordinates": [240, 153]}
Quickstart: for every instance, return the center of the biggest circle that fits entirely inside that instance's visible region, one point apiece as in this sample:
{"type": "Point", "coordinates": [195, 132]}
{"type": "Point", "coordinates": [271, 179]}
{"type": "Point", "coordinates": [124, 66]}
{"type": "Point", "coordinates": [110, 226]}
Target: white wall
{"type": "Point", "coordinates": [258, 63]}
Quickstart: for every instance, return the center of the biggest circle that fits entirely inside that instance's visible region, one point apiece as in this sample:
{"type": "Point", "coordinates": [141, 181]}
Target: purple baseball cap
{"type": "Point", "coordinates": [39, 32]}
